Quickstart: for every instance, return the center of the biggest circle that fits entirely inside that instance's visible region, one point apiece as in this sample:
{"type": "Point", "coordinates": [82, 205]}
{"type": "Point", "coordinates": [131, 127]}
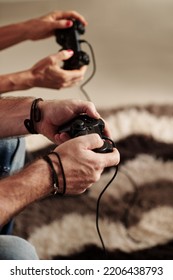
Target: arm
{"type": "Point", "coordinates": [82, 167]}
{"type": "Point", "coordinates": [13, 112]}
{"type": "Point", "coordinates": [37, 28]}
{"type": "Point", "coordinates": [46, 73]}
{"type": "Point", "coordinates": [19, 190]}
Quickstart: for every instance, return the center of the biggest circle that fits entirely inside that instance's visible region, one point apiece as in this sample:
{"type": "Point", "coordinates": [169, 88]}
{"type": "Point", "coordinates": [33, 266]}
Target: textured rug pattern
{"type": "Point", "coordinates": [136, 211]}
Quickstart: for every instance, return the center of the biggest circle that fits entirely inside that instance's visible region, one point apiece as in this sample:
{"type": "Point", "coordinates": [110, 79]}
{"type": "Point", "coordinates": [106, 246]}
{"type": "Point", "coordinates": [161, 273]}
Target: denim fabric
{"type": "Point", "coordinates": [12, 157]}
{"type": "Point", "coordinates": [16, 248]}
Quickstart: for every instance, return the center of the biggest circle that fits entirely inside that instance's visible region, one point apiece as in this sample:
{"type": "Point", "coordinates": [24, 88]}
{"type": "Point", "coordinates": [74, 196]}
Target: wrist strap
{"type": "Point", "coordinates": [62, 172]}
{"type": "Point", "coordinates": [35, 116]}
{"type": "Point", "coordinates": [54, 175]}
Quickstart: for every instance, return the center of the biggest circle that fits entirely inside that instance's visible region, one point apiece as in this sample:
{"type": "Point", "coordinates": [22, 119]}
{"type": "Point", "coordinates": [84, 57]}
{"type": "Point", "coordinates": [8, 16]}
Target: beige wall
{"type": "Point", "coordinates": [132, 41]}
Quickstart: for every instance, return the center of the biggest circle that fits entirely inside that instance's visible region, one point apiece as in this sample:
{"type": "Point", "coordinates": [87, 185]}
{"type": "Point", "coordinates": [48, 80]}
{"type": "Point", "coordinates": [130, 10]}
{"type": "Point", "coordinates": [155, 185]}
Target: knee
{"type": "Point", "coordinates": [16, 248]}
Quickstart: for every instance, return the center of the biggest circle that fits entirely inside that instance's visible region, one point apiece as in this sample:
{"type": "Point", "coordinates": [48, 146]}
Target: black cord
{"type": "Point", "coordinates": [97, 211]}
{"type": "Point", "coordinates": [93, 72]}
{"type": "Point", "coordinates": [62, 171]}
{"type": "Point", "coordinates": [99, 199]}
{"type": "Point", "coordinates": [35, 116]}
{"type": "Point", "coordinates": [54, 175]}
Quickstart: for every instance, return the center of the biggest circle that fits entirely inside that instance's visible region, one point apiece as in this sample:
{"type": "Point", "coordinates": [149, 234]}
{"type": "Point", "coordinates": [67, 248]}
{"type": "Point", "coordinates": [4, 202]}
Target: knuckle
{"type": "Point", "coordinates": [95, 177]}
{"type": "Point", "coordinates": [51, 59]}
{"type": "Point", "coordinates": [117, 156]}
{"type": "Point", "coordinates": [63, 78]}
{"type": "Point", "coordinates": [98, 140]}
{"type": "Point", "coordinates": [73, 12]}
{"type": "Point", "coordinates": [97, 137]}
{"type": "Point", "coordinates": [91, 104]}
{"type": "Point", "coordinates": [95, 172]}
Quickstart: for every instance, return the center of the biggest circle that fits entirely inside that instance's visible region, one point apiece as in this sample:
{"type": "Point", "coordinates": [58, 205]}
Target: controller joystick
{"type": "Point", "coordinates": [69, 38]}
{"type": "Point", "coordinates": [83, 125]}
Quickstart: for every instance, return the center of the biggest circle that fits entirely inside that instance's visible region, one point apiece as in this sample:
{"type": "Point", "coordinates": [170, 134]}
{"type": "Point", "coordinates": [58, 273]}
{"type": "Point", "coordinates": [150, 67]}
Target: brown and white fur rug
{"type": "Point", "coordinates": [136, 210]}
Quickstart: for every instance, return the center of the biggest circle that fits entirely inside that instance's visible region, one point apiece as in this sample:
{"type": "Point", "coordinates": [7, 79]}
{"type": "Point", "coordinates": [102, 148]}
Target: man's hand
{"type": "Point", "coordinates": [55, 113]}
{"type": "Point", "coordinates": [82, 166]}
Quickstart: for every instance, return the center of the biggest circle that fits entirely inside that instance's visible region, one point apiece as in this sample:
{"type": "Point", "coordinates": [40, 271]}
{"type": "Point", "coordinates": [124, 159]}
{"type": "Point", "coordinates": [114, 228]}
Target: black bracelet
{"type": "Point", "coordinates": [54, 175]}
{"type": "Point", "coordinates": [35, 116]}
{"type": "Point", "coordinates": [62, 171]}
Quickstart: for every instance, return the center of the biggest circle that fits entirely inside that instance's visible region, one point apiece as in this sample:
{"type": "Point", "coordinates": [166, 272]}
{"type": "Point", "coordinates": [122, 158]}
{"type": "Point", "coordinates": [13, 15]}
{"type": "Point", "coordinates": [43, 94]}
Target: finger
{"type": "Point", "coordinates": [80, 72]}
{"type": "Point", "coordinates": [61, 138]}
{"type": "Point", "coordinates": [109, 159]}
{"type": "Point", "coordinates": [107, 131]}
{"type": "Point", "coordinates": [75, 74]}
{"type": "Point", "coordinates": [84, 107]}
{"type": "Point", "coordinates": [88, 108]}
{"type": "Point", "coordinates": [64, 55]}
{"type": "Point", "coordinates": [91, 141]}
{"type": "Point", "coordinates": [67, 82]}
{"type": "Point", "coordinates": [83, 69]}
{"type": "Point", "coordinates": [62, 24]}
{"type": "Point", "coordinates": [72, 14]}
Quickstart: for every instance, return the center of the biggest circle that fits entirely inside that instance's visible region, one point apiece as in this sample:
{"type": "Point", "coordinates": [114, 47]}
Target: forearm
{"type": "Point", "coordinates": [13, 112]}
{"type": "Point", "coordinates": [22, 189]}
{"type": "Point", "coordinates": [16, 81]}
{"type": "Point", "coordinates": [13, 34]}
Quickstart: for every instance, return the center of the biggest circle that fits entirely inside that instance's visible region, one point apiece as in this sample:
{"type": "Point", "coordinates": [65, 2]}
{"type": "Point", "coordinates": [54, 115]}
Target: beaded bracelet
{"type": "Point", "coordinates": [35, 116]}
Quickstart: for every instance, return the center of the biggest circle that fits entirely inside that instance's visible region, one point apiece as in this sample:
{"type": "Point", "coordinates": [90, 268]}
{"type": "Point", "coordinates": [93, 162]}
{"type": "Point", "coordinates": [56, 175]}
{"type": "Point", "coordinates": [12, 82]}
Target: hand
{"type": "Point", "coordinates": [47, 73]}
{"type": "Point", "coordinates": [82, 166]}
{"type": "Point", "coordinates": [57, 112]}
{"type": "Point", "coordinates": [43, 27]}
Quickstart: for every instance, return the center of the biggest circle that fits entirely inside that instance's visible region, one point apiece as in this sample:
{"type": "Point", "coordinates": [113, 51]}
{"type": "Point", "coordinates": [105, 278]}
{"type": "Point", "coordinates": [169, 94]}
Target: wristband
{"type": "Point", "coordinates": [35, 116]}
{"type": "Point", "coordinates": [62, 172]}
{"type": "Point", "coordinates": [54, 175]}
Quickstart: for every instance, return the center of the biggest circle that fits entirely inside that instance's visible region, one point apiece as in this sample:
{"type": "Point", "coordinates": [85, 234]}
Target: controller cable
{"type": "Point", "coordinates": [99, 199]}
{"type": "Point", "coordinates": [93, 72]}
{"type": "Point", "coordinates": [126, 214]}
{"type": "Point", "coordinates": [105, 138]}
{"type": "Point", "coordinates": [131, 204]}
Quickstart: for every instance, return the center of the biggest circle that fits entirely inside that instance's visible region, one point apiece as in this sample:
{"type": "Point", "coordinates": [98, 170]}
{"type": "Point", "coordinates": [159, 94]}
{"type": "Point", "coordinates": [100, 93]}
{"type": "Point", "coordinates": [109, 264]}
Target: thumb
{"type": "Point", "coordinates": [65, 54]}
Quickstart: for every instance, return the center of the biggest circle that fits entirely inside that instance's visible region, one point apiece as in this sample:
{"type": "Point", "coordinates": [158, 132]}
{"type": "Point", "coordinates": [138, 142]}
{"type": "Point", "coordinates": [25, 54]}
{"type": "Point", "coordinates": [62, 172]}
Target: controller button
{"type": "Point", "coordinates": [78, 125]}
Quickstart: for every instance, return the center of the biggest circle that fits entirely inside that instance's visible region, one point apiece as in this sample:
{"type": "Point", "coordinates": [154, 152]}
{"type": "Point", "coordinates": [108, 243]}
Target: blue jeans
{"type": "Point", "coordinates": [12, 157]}
{"type": "Point", "coordinates": [16, 248]}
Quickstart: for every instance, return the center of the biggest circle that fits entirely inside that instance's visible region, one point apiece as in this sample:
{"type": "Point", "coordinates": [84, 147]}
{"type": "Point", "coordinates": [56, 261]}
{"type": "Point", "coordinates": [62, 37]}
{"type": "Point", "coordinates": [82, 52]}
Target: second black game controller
{"type": "Point", "coordinates": [69, 38]}
{"type": "Point", "coordinates": [83, 125]}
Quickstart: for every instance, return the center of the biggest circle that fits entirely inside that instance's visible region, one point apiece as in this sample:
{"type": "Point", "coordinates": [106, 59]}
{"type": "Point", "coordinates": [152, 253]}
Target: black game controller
{"type": "Point", "coordinates": [83, 125]}
{"type": "Point", "coordinates": [69, 38]}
